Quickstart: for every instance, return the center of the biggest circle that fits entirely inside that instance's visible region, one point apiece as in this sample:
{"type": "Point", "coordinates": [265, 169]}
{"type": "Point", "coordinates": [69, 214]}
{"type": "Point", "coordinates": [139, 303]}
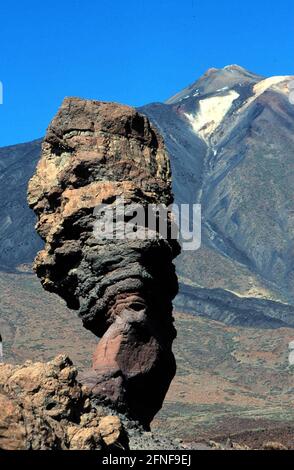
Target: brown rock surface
{"type": "Point", "coordinates": [95, 153]}
{"type": "Point", "coordinates": [42, 406]}
{"type": "Point", "coordinates": [110, 429]}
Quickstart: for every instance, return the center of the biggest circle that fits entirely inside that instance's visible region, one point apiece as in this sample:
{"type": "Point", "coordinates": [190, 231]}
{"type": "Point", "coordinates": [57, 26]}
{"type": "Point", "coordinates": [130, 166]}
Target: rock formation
{"type": "Point", "coordinates": [98, 153]}
{"type": "Point", "coordinates": [42, 406]}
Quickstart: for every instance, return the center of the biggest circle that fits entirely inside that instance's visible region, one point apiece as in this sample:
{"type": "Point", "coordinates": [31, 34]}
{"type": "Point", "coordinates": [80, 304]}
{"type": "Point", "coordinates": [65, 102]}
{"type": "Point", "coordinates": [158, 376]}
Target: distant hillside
{"type": "Point", "coordinates": [18, 240]}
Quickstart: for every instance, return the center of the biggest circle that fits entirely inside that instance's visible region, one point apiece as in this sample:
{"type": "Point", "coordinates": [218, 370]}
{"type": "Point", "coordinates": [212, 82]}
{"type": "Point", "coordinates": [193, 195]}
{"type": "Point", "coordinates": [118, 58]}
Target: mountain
{"type": "Point", "coordinates": [230, 139]}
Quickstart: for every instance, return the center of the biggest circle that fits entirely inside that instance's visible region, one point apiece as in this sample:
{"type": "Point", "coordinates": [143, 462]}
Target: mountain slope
{"type": "Point", "coordinates": [236, 129]}
{"type": "Point", "coordinates": [18, 240]}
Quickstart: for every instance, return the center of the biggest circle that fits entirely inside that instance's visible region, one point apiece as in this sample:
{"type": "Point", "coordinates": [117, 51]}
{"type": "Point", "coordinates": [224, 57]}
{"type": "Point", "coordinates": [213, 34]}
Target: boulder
{"type": "Point", "coordinates": [42, 406]}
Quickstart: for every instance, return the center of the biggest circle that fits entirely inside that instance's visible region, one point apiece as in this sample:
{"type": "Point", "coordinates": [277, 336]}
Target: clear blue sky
{"type": "Point", "coordinates": [132, 51]}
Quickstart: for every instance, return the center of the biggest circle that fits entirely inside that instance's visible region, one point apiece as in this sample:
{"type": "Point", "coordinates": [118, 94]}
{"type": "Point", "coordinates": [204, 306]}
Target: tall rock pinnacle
{"type": "Point", "coordinates": [97, 153]}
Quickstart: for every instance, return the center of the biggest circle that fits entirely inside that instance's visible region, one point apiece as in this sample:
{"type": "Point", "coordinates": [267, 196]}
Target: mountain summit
{"type": "Point", "coordinates": [216, 80]}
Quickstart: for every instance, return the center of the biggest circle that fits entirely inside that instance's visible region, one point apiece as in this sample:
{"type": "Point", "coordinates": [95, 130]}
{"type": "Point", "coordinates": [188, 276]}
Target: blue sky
{"type": "Point", "coordinates": [133, 52]}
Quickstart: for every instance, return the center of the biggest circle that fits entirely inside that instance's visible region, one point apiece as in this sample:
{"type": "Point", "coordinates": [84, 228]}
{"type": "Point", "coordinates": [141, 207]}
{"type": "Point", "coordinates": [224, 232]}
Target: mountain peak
{"type": "Point", "coordinates": [237, 67]}
{"type": "Point", "coordinates": [214, 80]}
{"type": "Point", "coordinates": [231, 68]}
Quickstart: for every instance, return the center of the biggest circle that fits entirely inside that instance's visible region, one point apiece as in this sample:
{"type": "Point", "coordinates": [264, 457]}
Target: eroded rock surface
{"type": "Point", "coordinates": [97, 153]}
{"type": "Point", "coordinates": [42, 406]}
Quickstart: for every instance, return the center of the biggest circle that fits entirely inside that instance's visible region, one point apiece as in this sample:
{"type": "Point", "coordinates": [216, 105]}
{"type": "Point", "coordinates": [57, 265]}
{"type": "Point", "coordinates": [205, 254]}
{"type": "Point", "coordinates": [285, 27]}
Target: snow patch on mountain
{"type": "Point", "coordinates": [278, 84]}
{"type": "Point", "coordinates": [281, 81]}
{"type": "Point", "coordinates": [211, 112]}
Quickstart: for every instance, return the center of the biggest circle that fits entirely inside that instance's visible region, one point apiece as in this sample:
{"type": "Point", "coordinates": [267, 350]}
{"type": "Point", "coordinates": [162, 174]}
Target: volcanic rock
{"type": "Point", "coordinates": [103, 153]}
{"type": "Point", "coordinates": [42, 406]}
